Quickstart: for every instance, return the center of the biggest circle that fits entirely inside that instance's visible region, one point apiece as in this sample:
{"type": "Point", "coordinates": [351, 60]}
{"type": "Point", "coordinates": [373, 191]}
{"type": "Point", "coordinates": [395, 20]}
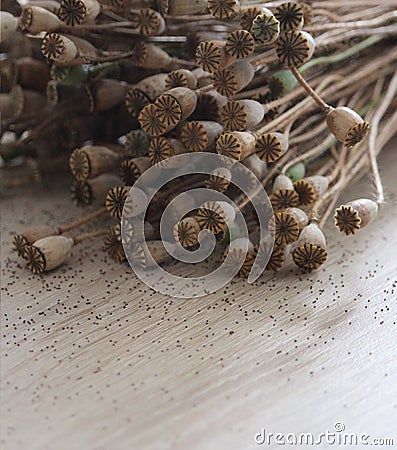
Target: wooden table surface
{"type": "Point", "coordinates": [92, 359]}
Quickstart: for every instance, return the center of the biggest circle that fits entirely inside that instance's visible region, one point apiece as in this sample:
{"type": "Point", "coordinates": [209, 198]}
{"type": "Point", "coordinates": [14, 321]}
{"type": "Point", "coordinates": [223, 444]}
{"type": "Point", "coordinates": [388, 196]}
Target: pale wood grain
{"type": "Point", "coordinates": [92, 359]}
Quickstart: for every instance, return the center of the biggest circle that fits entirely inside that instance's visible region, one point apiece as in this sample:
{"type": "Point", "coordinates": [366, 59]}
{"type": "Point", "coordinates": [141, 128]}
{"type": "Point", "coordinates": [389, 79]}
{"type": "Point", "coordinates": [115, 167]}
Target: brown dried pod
{"type": "Point", "coordinates": [61, 50]}
{"type": "Point", "coordinates": [181, 78]}
{"type": "Point", "coordinates": [181, 7]}
{"type": "Point", "coordinates": [354, 215]}
{"type": "Point", "coordinates": [255, 165]}
{"type": "Point", "coordinates": [76, 12]}
{"type": "Point", "coordinates": [223, 9]}
{"type": "Point", "coordinates": [271, 146]}
{"type": "Point", "coordinates": [209, 105]}
{"type": "Point", "coordinates": [19, 102]}
{"type": "Point", "coordinates": [248, 15]}
{"type": "Point", "coordinates": [136, 143]}
{"type": "Point", "coordinates": [241, 115]}
{"type": "Point", "coordinates": [309, 188]}
{"type": "Point", "coordinates": [295, 48]}
{"type": "Point", "coordinates": [347, 126]}
{"type": "Point", "coordinates": [150, 56]}
{"type": "Point", "coordinates": [32, 73]}
{"type": "Point", "coordinates": [236, 145]}
{"type": "Point", "coordinates": [48, 253]}
{"type": "Point", "coordinates": [215, 216]}
{"type": "Point", "coordinates": [175, 105]}
{"type": "Point", "coordinates": [91, 161]}
{"type": "Point", "coordinates": [265, 27]}
{"type": "Point", "coordinates": [135, 101]}
{"type": "Point", "coordinates": [240, 257]}
{"type": "Point", "coordinates": [199, 136]}
{"type": "Point", "coordinates": [162, 148]}
{"type": "Point", "coordinates": [154, 85]}
{"type": "Point", "coordinates": [278, 255]}
{"type": "Point", "coordinates": [107, 93]}
{"type": "Point", "coordinates": [30, 236]}
{"type": "Point", "coordinates": [240, 44]}
{"type": "Point", "coordinates": [234, 78]}
{"type": "Point", "coordinates": [9, 25]}
{"type": "Point", "coordinates": [219, 180]}
{"type": "Point", "coordinates": [113, 244]}
{"type": "Point", "coordinates": [132, 169]}
{"type": "Point", "coordinates": [212, 56]}
{"type": "Point", "coordinates": [140, 257]}
{"type": "Point", "coordinates": [290, 15]}
{"type": "Point", "coordinates": [35, 19]}
{"type": "Point", "coordinates": [150, 121]}
{"type": "Point", "coordinates": [149, 22]}
{"type": "Point", "coordinates": [186, 232]}
{"type": "Point", "coordinates": [283, 195]}
{"type": "Point", "coordinates": [93, 191]}
{"type": "Point", "coordinates": [309, 251]}
{"type": "Point", "coordinates": [285, 225]}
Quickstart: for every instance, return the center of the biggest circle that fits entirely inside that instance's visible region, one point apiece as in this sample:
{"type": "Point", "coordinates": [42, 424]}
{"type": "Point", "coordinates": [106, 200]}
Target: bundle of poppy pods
{"type": "Point", "coordinates": [302, 93]}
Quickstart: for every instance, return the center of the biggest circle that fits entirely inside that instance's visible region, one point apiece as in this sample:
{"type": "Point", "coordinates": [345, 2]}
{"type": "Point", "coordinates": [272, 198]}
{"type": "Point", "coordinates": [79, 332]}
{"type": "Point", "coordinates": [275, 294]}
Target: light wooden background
{"type": "Point", "coordinates": [92, 359]}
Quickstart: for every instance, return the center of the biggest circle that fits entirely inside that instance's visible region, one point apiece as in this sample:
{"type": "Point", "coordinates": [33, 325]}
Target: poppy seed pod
{"type": "Point", "coordinates": [150, 121]}
{"type": "Point", "coordinates": [154, 85]}
{"type": "Point", "coordinates": [215, 216]}
{"type": "Point", "coordinates": [223, 9]}
{"type": "Point", "coordinates": [354, 215]}
{"type": "Point", "coordinates": [265, 27]}
{"type": "Point", "coordinates": [219, 180]}
{"type": "Point", "coordinates": [269, 257]}
{"type": "Point", "coordinates": [35, 19]}
{"type": "Point", "coordinates": [91, 161]}
{"type": "Point", "coordinates": [347, 126]}
{"type": "Point", "coordinates": [32, 73]}
{"type": "Point", "coordinates": [186, 232]}
{"type": "Point", "coordinates": [60, 50]}
{"type": "Point", "coordinates": [9, 25]}
{"type": "Point", "coordinates": [240, 44]}
{"type": "Point", "coordinates": [156, 253]}
{"type": "Point", "coordinates": [48, 253]}
{"type": "Point", "coordinates": [30, 236]}
{"type": "Point", "coordinates": [236, 145]}
{"type": "Point", "coordinates": [113, 244]}
{"type": "Point", "coordinates": [255, 165]}
{"type": "Point", "coordinates": [148, 22]}
{"type": "Point", "coordinates": [290, 16]}
{"type": "Point", "coordinates": [76, 12]}
{"type": "Point", "coordinates": [181, 78]}
{"type": "Point", "coordinates": [285, 225]}
{"type": "Point", "coordinates": [283, 195]}
{"type": "Point", "coordinates": [241, 115]}
{"type": "Point", "coordinates": [136, 143]}
{"type": "Point", "coordinates": [271, 146]}
{"type": "Point", "coordinates": [199, 136]}
{"type": "Point", "coordinates": [248, 14]}
{"type": "Point", "coordinates": [161, 149]}
{"type": "Point", "coordinates": [107, 93]}
{"type": "Point", "coordinates": [234, 78]}
{"type": "Point", "coordinates": [212, 56]}
{"type": "Point", "coordinates": [132, 169]}
{"type": "Point", "coordinates": [181, 7]}
{"type": "Point", "coordinates": [93, 191]}
{"type": "Point", "coordinates": [295, 48]}
{"type": "Point", "coordinates": [239, 257]}
{"type": "Point", "coordinates": [150, 56]}
{"type": "Point", "coordinates": [209, 105]}
{"type": "Point", "coordinates": [119, 202]}
{"type": "Point", "coordinates": [19, 101]}
{"type": "Point", "coordinates": [175, 105]}
{"type": "Point", "coordinates": [309, 251]}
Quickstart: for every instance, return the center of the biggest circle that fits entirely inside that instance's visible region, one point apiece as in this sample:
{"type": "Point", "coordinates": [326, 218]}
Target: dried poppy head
{"type": "Point", "coordinates": [199, 136]}
{"type": "Point", "coordinates": [186, 232]}
{"type": "Point", "coordinates": [93, 191]}
{"type": "Point", "coordinates": [256, 166]}
{"type": "Point", "coordinates": [58, 49]}
{"type": "Point", "coordinates": [35, 19]}
{"type": "Point", "coordinates": [48, 253]}
{"type": "Point", "coordinates": [354, 215]}
{"type": "Point", "coordinates": [91, 161]}
{"type": "Point", "coordinates": [290, 16]}
{"type": "Point", "coordinates": [215, 216]}
{"type": "Point", "coordinates": [234, 78]}
{"type": "Point", "coordinates": [309, 251]}
{"type": "Point", "coordinates": [181, 78]}
{"type": "Point", "coordinates": [265, 28]}
{"type": "Point", "coordinates": [162, 149]}
{"type": "Point", "coordinates": [347, 126]}
{"type": "Point", "coordinates": [30, 236]}
{"type": "Point", "coordinates": [175, 105]}
{"type": "Point", "coordinates": [148, 22]}
{"type": "Point", "coordinates": [308, 13]}
{"type": "Point", "coordinates": [150, 56]}
{"type": "Point", "coordinates": [283, 195]}
{"type": "Point", "coordinates": [151, 122]}
{"type": "Point", "coordinates": [115, 200]}
{"type": "Point", "coordinates": [248, 15]}
{"type": "Point", "coordinates": [285, 225]}
{"type": "Point", "coordinates": [219, 180]}
{"type": "Point", "coordinates": [212, 55]}
{"type": "Point", "coordinates": [269, 257]}
{"type": "Point", "coordinates": [236, 145]}
{"type": "Point", "coordinates": [9, 25]}
{"type": "Point", "coordinates": [72, 12]}
{"type": "Point", "coordinates": [281, 83]}
{"type": "Point", "coordinates": [136, 143]}
{"type": "Point", "coordinates": [209, 105]}
{"type": "Point", "coordinates": [309, 188]}
{"type": "Point", "coordinates": [140, 257]}
{"type": "Point", "coordinates": [153, 86]}
{"type": "Point", "coordinates": [271, 146]}
{"type": "Point", "coordinates": [240, 44]}
{"type": "Point", "coordinates": [223, 9]}
{"type": "Point", "coordinates": [132, 169]}
{"type": "Point", "coordinates": [135, 101]}
{"type": "Point", "coordinates": [240, 115]}
{"type": "Point", "coordinates": [108, 93]}
{"type": "Point", "coordinates": [295, 48]}
{"type": "Point", "coordinates": [113, 244]}
{"type": "Point", "coordinates": [239, 257]}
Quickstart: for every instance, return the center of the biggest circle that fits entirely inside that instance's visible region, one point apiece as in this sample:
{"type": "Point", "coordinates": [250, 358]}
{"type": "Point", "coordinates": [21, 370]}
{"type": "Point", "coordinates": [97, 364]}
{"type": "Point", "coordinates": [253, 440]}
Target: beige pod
{"type": "Point", "coordinates": [175, 106]}
{"type": "Point", "coordinates": [295, 48]}
{"type": "Point", "coordinates": [91, 161]}
{"type": "Point", "coordinates": [31, 235]}
{"type": "Point", "coordinates": [148, 22]}
{"type": "Point", "coordinates": [212, 56]}
{"type": "Point", "coordinates": [200, 135]}
{"type": "Point", "coordinates": [241, 115]}
{"type": "Point", "coordinates": [55, 250]}
{"type": "Point", "coordinates": [209, 105]}
{"type": "Point", "coordinates": [150, 56]}
{"type": "Point", "coordinates": [181, 78]}
{"type": "Point", "coordinates": [161, 149]}
{"type": "Point", "coordinates": [239, 257]}
{"type": "Point", "coordinates": [232, 79]}
{"type": "Point", "coordinates": [9, 25]}
{"type": "Point", "coordinates": [154, 85]}
{"type": "Point", "coordinates": [285, 225]}
{"type": "Point", "coordinates": [203, 78]}
{"type": "Point", "coordinates": [354, 215]}
{"type": "Point", "coordinates": [108, 93]}
{"type": "Point", "coordinates": [181, 7]}
{"type": "Point", "coordinates": [215, 216]}
{"type": "Point", "coordinates": [60, 50]}
{"type": "Point", "coordinates": [93, 191]}
{"type": "Point", "coordinates": [35, 19]}
{"type": "Point", "coordinates": [255, 165]}
{"type": "Point", "coordinates": [132, 169]}
{"type": "Point", "coordinates": [283, 193]}
{"type": "Point", "coordinates": [236, 145]}
{"type": "Point", "coordinates": [347, 126]}
{"type": "Point", "coordinates": [222, 9]}
{"type": "Point", "coordinates": [143, 258]}
{"type": "Point", "coordinates": [290, 16]}
{"type": "Point", "coordinates": [271, 146]}
{"type": "Point", "coordinates": [219, 180]}
{"type": "Point", "coordinates": [309, 251]}
{"type": "Point", "coordinates": [186, 232]}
